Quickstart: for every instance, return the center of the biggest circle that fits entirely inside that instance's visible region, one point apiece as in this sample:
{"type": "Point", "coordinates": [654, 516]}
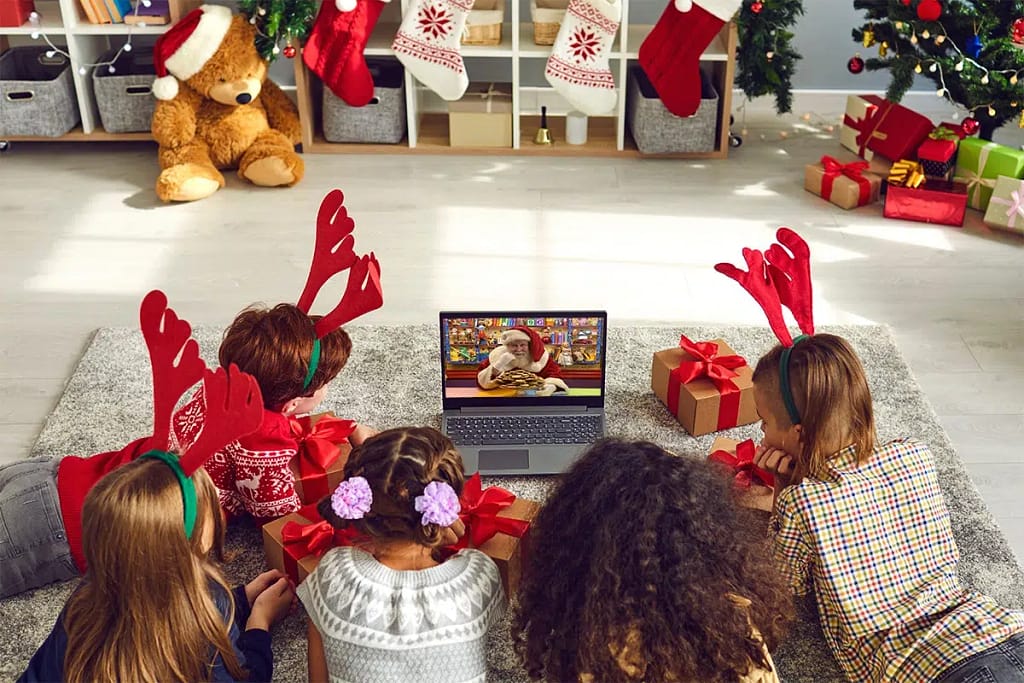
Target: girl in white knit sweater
{"type": "Point", "coordinates": [393, 611]}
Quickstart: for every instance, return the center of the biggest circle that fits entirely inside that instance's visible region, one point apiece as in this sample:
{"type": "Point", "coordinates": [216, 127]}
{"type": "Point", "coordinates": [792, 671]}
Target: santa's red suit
{"type": "Point", "coordinates": [537, 360]}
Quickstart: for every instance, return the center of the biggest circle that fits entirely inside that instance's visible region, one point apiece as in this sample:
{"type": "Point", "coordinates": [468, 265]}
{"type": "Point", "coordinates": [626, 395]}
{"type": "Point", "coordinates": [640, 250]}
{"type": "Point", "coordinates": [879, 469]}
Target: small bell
{"type": "Point", "coordinates": [543, 136]}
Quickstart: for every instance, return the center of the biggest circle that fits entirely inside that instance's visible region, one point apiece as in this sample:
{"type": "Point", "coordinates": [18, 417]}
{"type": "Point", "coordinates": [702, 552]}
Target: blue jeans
{"type": "Point", "coordinates": [1002, 663]}
{"type": "Point", "coordinates": [34, 549]}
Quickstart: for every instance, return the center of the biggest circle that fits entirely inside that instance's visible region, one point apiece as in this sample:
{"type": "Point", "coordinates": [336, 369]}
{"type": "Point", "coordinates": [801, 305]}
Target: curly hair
{"type": "Point", "coordinates": [398, 464]}
{"type": "Point", "coordinates": [637, 545]}
{"type": "Point", "coordinates": [274, 345]}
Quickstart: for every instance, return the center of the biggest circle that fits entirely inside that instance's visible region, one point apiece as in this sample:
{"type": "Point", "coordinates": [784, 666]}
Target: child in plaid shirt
{"type": "Point", "coordinates": [865, 526]}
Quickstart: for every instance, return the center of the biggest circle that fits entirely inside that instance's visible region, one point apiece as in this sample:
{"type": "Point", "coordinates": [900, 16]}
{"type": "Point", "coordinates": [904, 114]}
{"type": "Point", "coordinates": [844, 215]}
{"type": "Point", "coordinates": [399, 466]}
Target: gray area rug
{"type": "Point", "coordinates": [392, 379]}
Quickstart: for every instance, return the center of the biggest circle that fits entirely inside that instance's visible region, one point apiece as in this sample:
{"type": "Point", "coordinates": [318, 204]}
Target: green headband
{"type": "Point", "coordinates": [314, 361]}
{"type": "Point", "coordinates": [787, 391]}
{"type": "Point", "coordinates": [188, 489]}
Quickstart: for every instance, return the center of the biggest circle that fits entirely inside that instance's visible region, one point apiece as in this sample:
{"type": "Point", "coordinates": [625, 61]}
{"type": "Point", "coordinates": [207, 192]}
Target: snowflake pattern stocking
{"type": "Point", "coordinates": [578, 65]}
{"type": "Point", "coordinates": [427, 44]}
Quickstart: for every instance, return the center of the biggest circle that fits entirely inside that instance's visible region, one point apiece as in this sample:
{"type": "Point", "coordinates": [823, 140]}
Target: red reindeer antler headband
{"type": "Point", "coordinates": [234, 406]}
{"type": "Point", "coordinates": [780, 277]}
{"type": "Point", "coordinates": [334, 252]}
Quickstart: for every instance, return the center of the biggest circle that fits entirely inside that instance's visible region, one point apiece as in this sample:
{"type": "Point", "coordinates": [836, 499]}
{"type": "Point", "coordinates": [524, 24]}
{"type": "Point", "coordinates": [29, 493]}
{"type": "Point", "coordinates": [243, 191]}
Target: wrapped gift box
{"type": "Point", "coordinates": [845, 185]}
{"type": "Point", "coordinates": [738, 457]}
{"type": "Point", "coordinates": [873, 125]}
{"type": "Point", "coordinates": [934, 201]}
{"type": "Point", "coordinates": [482, 117]}
{"type": "Point", "coordinates": [15, 12]}
{"type": "Point", "coordinates": [937, 153]}
{"type": "Point", "coordinates": [295, 543]}
{"type": "Point", "coordinates": [979, 163]}
{"type": "Point", "coordinates": [704, 405]}
{"type": "Point", "coordinates": [1006, 208]}
{"type": "Point", "coordinates": [507, 551]}
{"type": "Point", "coordinates": [323, 451]}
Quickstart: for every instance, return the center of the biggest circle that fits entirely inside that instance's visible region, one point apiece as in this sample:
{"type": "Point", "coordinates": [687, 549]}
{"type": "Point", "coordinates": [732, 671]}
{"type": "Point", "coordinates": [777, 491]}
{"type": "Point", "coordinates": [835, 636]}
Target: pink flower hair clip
{"type": "Point", "coordinates": [439, 504]}
{"type": "Point", "coordinates": [352, 499]}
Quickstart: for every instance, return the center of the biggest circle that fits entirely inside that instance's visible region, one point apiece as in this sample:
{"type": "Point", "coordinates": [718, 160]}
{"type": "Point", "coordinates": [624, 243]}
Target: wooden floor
{"type": "Point", "coordinates": [83, 238]}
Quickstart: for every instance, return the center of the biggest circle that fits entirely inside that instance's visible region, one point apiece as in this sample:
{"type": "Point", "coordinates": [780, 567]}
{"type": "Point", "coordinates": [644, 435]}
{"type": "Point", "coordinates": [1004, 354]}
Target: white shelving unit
{"type": "Point", "coordinates": [64, 22]}
{"type": "Point", "coordinates": [427, 114]}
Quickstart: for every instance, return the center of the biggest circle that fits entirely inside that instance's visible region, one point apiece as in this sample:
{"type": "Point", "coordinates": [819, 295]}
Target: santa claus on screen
{"type": "Point", "coordinates": [521, 349]}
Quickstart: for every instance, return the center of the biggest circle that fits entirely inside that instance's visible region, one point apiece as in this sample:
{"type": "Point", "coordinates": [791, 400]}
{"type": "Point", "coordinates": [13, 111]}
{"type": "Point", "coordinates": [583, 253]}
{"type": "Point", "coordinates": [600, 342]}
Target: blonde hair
{"type": "Point", "coordinates": [144, 611]}
{"type": "Point", "coordinates": [832, 397]}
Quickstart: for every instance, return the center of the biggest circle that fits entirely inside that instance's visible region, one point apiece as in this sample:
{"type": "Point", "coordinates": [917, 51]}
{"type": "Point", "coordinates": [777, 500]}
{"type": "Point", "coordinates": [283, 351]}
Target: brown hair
{"type": "Point", "coordinates": [398, 464]}
{"type": "Point", "coordinates": [832, 397]}
{"type": "Point", "coordinates": [641, 548]}
{"type": "Point", "coordinates": [144, 611]}
{"type": "Point", "coordinates": [274, 345]}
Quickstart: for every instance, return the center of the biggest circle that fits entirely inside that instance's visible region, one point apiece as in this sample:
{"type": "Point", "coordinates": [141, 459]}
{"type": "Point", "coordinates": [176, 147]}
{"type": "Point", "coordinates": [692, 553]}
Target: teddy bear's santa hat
{"type": "Point", "coordinates": [184, 49]}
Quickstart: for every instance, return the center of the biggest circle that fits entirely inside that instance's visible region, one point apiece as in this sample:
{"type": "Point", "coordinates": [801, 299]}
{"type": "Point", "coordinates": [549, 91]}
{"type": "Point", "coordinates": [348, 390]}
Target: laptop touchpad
{"type": "Point", "coordinates": [504, 459]}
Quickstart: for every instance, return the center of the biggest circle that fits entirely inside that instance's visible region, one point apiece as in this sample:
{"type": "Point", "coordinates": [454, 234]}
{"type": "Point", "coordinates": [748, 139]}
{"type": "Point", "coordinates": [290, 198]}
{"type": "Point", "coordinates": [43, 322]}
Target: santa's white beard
{"type": "Point", "coordinates": [522, 362]}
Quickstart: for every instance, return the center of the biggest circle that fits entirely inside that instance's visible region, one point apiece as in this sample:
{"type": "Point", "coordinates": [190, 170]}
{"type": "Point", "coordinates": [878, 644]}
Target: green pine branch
{"type": "Point", "coordinates": [279, 23]}
{"type": "Point", "coordinates": [762, 34]}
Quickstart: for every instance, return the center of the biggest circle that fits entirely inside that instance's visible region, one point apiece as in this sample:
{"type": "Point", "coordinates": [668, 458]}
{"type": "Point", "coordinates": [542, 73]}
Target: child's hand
{"type": "Point", "coordinates": [361, 434]}
{"type": "Point", "coordinates": [261, 583]}
{"type": "Point", "coordinates": [450, 535]}
{"type": "Point", "coordinates": [778, 462]}
{"type": "Point", "coordinates": [272, 604]}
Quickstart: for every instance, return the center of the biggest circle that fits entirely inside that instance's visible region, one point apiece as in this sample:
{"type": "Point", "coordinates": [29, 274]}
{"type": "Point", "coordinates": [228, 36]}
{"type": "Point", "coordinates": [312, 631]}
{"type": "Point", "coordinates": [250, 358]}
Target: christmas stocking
{"type": "Point", "coordinates": [578, 65]}
{"type": "Point", "coordinates": [670, 55]}
{"type": "Point", "coordinates": [334, 50]}
{"type": "Point", "coordinates": [427, 44]}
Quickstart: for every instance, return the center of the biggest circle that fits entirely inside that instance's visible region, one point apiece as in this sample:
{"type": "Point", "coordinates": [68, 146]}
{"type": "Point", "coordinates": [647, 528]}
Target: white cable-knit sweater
{"type": "Point", "coordinates": [383, 625]}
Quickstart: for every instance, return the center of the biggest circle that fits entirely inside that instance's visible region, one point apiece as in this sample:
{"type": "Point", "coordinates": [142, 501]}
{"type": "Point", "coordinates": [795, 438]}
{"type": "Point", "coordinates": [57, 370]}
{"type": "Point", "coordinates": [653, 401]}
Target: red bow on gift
{"type": "Point", "coordinates": [718, 369]}
{"type": "Point", "coordinates": [742, 465]}
{"type": "Point", "coordinates": [854, 171]}
{"type": "Point", "coordinates": [480, 508]}
{"type": "Point", "coordinates": [315, 538]}
{"type": "Point", "coordinates": [318, 448]}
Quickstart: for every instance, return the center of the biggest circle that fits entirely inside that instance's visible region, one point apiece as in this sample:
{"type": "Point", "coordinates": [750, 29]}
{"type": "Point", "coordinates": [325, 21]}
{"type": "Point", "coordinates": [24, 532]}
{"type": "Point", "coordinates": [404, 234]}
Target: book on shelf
{"type": "Point", "coordinates": [158, 13]}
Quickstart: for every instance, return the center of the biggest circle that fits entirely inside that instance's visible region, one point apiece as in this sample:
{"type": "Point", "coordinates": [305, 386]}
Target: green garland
{"type": "Point", "coordinates": [765, 58]}
{"type": "Point", "coordinates": [279, 22]}
{"type": "Point", "coordinates": [914, 47]}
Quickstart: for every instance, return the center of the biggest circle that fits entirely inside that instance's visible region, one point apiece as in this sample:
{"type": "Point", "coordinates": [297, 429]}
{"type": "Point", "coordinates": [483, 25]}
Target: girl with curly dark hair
{"type": "Point", "coordinates": [642, 568]}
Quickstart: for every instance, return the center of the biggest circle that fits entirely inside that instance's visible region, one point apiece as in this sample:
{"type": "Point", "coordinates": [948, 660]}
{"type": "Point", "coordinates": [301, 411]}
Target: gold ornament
{"type": "Point", "coordinates": [869, 37]}
{"type": "Point", "coordinates": [883, 48]}
{"type": "Point", "coordinates": [1020, 124]}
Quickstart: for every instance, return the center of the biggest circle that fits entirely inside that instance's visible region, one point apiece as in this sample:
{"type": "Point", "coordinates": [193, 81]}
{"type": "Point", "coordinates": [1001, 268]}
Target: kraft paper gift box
{"type": "Point", "coordinates": [873, 125]}
{"type": "Point", "coordinates": [979, 163]}
{"type": "Point", "coordinates": [482, 117]}
{"type": "Point", "coordinates": [845, 185]}
{"type": "Point", "coordinates": [738, 457]}
{"type": "Point", "coordinates": [703, 403]}
{"type": "Point", "coordinates": [295, 543]}
{"type": "Point", "coordinates": [323, 451]}
{"type": "Point", "coordinates": [1006, 208]}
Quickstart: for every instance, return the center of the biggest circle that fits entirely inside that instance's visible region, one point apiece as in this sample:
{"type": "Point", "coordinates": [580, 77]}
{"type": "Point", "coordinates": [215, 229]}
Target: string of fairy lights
{"type": "Point", "coordinates": [35, 21]}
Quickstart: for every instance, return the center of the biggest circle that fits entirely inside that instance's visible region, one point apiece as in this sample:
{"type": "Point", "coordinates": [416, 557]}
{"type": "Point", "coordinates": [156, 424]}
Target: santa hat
{"type": "Point", "coordinates": [184, 49]}
{"type": "Point", "coordinates": [523, 333]}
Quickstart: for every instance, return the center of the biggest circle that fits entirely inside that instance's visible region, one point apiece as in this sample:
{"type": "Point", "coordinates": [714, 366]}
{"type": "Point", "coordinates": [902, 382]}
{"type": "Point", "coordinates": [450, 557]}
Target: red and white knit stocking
{"type": "Point", "coordinates": [578, 66]}
{"type": "Point", "coordinates": [428, 45]}
{"type": "Point", "coordinates": [670, 55]}
{"type": "Point", "coordinates": [334, 50]}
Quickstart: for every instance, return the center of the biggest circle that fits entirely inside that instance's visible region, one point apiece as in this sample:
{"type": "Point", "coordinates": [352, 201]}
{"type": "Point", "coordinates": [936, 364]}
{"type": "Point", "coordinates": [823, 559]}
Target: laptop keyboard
{"type": "Point", "coordinates": [524, 429]}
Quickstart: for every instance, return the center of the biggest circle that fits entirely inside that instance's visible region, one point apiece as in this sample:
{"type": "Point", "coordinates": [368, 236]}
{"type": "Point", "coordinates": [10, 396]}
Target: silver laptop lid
{"type": "Point", "coordinates": [492, 359]}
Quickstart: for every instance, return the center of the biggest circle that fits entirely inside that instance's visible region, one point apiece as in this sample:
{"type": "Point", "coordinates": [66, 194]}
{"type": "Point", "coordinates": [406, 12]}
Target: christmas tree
{"type": "Point", "coordinates": [277, 22]}
{"type": "Point", "coordinates": [973, 50]}
{"type": "Point", "coordinates": [765, 58]}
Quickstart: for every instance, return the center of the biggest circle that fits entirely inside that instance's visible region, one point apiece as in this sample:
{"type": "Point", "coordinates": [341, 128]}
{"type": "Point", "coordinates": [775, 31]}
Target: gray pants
{"type": "Point", "coordinates": [34, 549]}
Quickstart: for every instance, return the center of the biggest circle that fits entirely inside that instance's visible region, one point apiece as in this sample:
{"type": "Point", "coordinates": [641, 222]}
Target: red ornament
{"type": "Point", "coordinates": [929, 10]}
{"type": "Point", "coordinates": [289, 51]}
{"type": "Point", "coordinates": [1018, 31]}
{"type": "Point", "coordinates": [970, 125]}
{"type": "Point", "coordinates": [855, 65]}
{"type": "Point", "coordinates": [756, 6]}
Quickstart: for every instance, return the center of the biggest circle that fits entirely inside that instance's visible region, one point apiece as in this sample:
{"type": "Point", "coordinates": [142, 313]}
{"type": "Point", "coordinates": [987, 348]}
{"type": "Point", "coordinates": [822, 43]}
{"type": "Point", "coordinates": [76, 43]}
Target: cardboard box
{"type": "Point", "coordinates": [845, 186]}
{"type": "Point", "coordinates": [979, 163]}
{"type": "Point", "coordinates": [509, 552]}
{"type": "Point", "coordinates": [279, 557]}
{"type": "Point", "coordinates": [1006, 208]}
{"type": "Point", "coordinates": [320, 442]}
{"type": "Point", "coordinates": [935, 201]}
{"type": "Point", "coordinates": [698, 402]}
{"type": "Point", "coordinates": [482, 117]}
{"type": "Point", "coordinates": [873, 125]}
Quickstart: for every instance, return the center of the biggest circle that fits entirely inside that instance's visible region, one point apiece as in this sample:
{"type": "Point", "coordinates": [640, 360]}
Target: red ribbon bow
{"type": "Point", "coordinates": [854, 171]}
{"type": "Point", "coordinates": [742, 464]}
{"type": "Point", "coordinates": [318, 449]}
{"type": "Point", "coordinates": [718, 369]}
{"type": "Point", "coordinates": [863, 125]}
{"type": "Point", "coordinates": [315, 538]}
{"type": "Point", "coordinates": [480, 508]}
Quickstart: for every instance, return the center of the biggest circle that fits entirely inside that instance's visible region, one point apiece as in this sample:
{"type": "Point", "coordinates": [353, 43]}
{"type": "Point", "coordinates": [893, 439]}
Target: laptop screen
{"type": "Point", "coordinates": [510, 358]}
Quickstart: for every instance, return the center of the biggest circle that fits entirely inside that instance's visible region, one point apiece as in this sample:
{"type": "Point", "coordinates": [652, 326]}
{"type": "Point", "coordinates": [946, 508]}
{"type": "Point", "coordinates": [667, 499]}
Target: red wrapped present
{"type": "Point", "coordinates": [845, 185]}
{"type": "Point", "coordinates": [295, 543]}
{"type": "Point", "coordinates": [497, 523]}
{"type": "Point", "coordinates": [15, 12]}
{"type": "Point", "coordinates": [937, 153]}
{"type": "Point", "coordinates": [323, 451]}
{"type": "Point", "coordinates": [738, 456]}
{"type": "Point", "coordinates": [874, 124]}
{"type": "Point", "coordinates": [705, 385]}
{"type": "Point", "coordinates": [934, 201]}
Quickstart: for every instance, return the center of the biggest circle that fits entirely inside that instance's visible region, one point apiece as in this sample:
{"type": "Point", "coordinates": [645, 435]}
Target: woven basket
{"type": "Point", "coordinates": [547, 19]}
{"type": "Point", "coordinates": [483, 25]}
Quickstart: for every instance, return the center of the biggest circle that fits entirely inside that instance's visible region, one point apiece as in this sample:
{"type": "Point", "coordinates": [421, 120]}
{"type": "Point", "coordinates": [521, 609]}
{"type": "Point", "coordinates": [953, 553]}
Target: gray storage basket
{"type": "Point", "coordinates": [125, 97]}
{"type": "Point", "coordinates": [381, 121]}
{"type": "Point", "coordinates": [37, 93]}
{"type": "Point", "coordinates": [656, 130]}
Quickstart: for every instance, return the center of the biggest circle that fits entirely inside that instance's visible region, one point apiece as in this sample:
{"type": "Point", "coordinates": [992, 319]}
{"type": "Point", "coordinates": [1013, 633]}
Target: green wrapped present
{"type": "Point", "coordinates": [979, 163]}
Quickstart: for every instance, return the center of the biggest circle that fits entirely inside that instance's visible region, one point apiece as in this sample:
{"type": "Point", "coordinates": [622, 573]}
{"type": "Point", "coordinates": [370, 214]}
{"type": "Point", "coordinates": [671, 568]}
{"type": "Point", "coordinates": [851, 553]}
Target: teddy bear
{"type": "Point", "coordinates": [217, 110]}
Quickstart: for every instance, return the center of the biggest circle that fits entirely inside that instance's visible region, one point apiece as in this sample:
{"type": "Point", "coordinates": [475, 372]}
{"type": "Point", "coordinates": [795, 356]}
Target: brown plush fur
{"type": "Point", "coordinates": [205, 129]}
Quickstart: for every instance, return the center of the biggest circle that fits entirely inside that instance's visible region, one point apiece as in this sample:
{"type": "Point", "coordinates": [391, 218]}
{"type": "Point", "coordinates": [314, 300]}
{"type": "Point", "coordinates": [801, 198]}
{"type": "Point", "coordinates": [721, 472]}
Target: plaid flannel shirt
{"type": "Point", "coordinates": [874, 543]}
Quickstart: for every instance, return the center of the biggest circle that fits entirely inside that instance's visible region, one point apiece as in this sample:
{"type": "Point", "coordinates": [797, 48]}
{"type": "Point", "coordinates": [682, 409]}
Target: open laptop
{"type": "Point", "coordinates": [523, 391]}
